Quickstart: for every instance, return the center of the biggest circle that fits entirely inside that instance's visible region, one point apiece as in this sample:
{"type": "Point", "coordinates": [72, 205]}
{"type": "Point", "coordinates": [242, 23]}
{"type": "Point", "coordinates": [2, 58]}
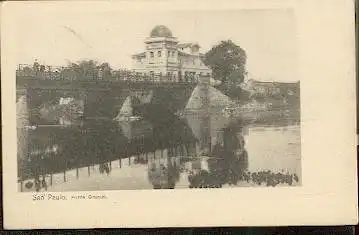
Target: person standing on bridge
{"type": "Point", "coordinates": [36, 67]}
{"type": "Point", "coordinates": [100, 74]}
{"type": "Point", "coordinates": [42, 71]}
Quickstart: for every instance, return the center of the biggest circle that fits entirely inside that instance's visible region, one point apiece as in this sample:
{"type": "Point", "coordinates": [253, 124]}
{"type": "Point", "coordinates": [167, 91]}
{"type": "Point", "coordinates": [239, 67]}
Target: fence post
{"type": "Point", "coordinates": [62, 73]}
{"type": "Point", "coordinates": [21, 185]}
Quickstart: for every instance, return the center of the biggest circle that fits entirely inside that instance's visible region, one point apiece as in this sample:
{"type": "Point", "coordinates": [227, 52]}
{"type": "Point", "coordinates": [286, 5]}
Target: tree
{"type": "Point", "coordinates": [106, 71]}
{"type": "Point", "coordinates": [27, 71]}
{"type": "Point", "coordinates": [227, 61]}
{"type": "Point", "coordinates": [87, 69]}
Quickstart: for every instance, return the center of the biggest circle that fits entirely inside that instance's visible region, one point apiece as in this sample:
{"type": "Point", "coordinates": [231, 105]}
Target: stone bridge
{"type": "Point", "coordinates": [106, 98]}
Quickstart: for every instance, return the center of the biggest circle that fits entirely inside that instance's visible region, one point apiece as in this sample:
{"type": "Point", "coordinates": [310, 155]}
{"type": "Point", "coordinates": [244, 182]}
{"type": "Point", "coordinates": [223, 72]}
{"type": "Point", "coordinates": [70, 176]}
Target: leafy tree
{"type": "Point", "coordinates": [227, 61]}
{"type": "Point", "coordinates": [106, 70]}
{"type": "Point", "coordinates": [88, 69]}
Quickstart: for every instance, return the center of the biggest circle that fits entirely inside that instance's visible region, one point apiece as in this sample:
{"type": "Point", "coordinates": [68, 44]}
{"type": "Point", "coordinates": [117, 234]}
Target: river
{"type": "Point", "coordinates": [194, 151]}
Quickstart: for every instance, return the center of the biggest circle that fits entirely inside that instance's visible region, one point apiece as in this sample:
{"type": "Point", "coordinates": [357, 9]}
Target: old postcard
{"type": "Point", "coordinates": [178, 113]}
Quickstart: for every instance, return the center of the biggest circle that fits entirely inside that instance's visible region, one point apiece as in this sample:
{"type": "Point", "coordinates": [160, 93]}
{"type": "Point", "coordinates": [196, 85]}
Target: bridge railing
{"type": "Point", "coordinates": [68, 73]}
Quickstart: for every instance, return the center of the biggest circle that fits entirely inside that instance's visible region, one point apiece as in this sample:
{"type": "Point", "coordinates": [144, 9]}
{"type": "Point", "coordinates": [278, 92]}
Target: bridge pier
{"type": "Point", "coordinates": [22, 123]}
{"type": "Point", "coordinates": [20, 93]}
{"type": "Point", "coordinates": [22, 112]}
{"type": "Point", "coordinates": [200, 102]}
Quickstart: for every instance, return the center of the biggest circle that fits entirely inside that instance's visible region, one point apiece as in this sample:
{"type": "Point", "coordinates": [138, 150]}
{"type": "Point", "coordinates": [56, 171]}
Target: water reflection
{"type": "Point", "coordinates": [105, 168]}
{"type": "Point", "coordinates": [197, 151]}
{"type": "Point", "coordinates": [164, 173]}
{"type": "Point", "coordinates": [226, 163]}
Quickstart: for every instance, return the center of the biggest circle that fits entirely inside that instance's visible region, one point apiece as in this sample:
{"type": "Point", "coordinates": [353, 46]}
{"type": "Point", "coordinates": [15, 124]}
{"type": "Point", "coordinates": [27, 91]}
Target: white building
{"type": "Point", "coordinates": [165, 57]}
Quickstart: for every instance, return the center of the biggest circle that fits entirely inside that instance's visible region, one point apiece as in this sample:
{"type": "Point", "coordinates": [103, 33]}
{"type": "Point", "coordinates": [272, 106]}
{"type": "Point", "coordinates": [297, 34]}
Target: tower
{"type": "Point", "coordinates": [161, 52]}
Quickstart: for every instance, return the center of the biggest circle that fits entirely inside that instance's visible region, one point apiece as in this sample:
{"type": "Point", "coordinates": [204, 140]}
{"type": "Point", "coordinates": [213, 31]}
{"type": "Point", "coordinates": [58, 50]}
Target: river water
{"type": "Point", "coordinates": [192, 151]}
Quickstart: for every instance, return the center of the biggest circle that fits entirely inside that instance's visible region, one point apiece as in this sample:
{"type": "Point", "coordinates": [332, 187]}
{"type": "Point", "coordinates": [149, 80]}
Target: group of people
{"type": "Point", "coordinates": [38, 67]}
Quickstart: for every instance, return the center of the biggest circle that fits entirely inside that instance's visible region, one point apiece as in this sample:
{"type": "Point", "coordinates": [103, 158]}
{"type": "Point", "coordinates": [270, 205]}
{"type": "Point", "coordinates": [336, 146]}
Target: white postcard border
{"type": "Point", "coordinates": [328, 195]}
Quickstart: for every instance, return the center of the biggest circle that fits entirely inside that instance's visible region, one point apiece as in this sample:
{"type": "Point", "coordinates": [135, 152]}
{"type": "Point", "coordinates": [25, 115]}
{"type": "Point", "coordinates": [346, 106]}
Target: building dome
{"type": "Point", "coordinates": [161, 31]}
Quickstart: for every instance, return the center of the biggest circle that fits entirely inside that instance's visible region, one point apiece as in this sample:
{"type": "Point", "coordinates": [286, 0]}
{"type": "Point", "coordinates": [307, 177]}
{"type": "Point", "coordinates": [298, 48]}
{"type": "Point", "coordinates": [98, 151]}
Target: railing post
{"type": "Point", "coordinates": [62, 73]}
{"type": "Point", "coordinates": [21, 185]}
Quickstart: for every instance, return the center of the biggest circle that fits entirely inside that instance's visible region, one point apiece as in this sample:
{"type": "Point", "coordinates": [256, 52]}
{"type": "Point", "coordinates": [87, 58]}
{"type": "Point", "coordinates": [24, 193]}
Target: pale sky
{"type": "Point", "coordinates": [268, 36]}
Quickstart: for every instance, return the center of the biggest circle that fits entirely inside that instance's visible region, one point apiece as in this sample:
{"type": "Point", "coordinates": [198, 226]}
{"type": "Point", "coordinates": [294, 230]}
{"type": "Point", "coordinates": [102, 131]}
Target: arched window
{"type": "Point", "coordinates": [159, 53]}
{"type": "Point", "coordinates": [152, 54]}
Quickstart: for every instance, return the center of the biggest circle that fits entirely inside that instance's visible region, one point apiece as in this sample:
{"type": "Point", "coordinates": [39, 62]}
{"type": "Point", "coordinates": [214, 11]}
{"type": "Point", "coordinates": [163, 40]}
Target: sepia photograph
{"type": "Point", "coordinates": [166, 103]}
{"type": "Point", "coordinates": [178, 114]}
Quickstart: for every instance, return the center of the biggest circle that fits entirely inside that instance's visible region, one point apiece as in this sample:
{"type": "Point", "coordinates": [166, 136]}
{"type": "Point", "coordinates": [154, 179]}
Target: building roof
{"type": "Point", "coordinates": [185, 45]}
{"type": "Point", "coordinates": [139, 55]}
{"type": "Point", "coordinates": [187, 54]}
{"type": "Point", "coordinates": [161, 31]}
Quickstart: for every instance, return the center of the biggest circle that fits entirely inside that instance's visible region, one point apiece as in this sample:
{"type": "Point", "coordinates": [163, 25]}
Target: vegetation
{"type": "Point", "coordinates": [89, 69]}
{"type": "Point", "coordinates": [228, 63]}
{"type": "Point", "coordinates": [85, 69]}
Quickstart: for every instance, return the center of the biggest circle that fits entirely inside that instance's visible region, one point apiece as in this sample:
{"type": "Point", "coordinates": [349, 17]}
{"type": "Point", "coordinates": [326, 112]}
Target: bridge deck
{"type": "Point", "coordinates": [67, 78]}
{"type": "Point", "coordinates": [85, 84]}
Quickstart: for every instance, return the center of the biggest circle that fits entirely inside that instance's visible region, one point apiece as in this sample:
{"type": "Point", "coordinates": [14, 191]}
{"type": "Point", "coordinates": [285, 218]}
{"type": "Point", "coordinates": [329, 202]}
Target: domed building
{"type": "Point", "coordinates": [160, 31]}
{"type": "Point", "coordinates": [165, 58]}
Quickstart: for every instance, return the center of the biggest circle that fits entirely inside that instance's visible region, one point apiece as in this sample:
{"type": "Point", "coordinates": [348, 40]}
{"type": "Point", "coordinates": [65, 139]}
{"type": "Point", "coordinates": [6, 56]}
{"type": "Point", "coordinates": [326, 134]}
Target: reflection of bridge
{"type": "Point", "coordinates": [63, 165]}
{"type": "Point", "coordinates": [163, 164]}
{"type": "Point", "coordinates": [104, 97]}
{"type": "Point", "coordinates": [95, 143]}
{"type": "Point", "coordinates": [152, 160]}
{"type": "Point", "coordinates": [82, 152]}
